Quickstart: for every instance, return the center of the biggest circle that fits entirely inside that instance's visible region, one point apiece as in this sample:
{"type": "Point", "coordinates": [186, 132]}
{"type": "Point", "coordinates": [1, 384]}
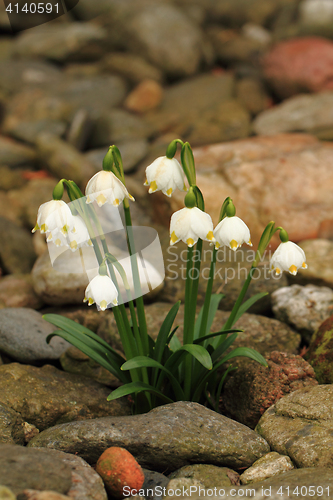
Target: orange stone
{"type": "Point", "coordinates": [119, 469]}
{"type": "Point", "coordinates": [145, 97]}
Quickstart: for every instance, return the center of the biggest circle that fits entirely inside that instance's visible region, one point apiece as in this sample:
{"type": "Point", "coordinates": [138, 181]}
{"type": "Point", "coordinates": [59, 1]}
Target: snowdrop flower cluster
{"type": "Point", "coordinates": [190, 223]}
{"type": "Point", "coordinates": [191, 376]}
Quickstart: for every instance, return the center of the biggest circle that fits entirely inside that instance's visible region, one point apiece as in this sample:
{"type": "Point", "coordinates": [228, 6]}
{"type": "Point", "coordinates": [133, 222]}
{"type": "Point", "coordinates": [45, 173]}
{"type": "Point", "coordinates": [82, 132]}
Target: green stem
{"type": "Point", "coordinates": [188, 292]}
{"type": "Point", "coordinates": [136, 280]}
{"type": "Point", "coordinates": [191, 296]}
{"type": "Point", "coordinates": [194, 292]}
{"type": "Point", "coordinates": [206, 306]}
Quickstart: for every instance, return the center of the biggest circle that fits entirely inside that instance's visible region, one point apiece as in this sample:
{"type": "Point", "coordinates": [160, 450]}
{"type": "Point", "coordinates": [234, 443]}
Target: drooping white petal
{"type": "Point", "coordinates": [79, 237]}
{"type": "Point", "coordinates": [288, 257]}
{"type": "Point", "coordinates": [105, 187]}
{"type": "Point", "coordinates": [232, 232]}
{"type": "Point", "coordinates": [60, 220]}
{"type": "Point", "coordinates": [190, 224]}
{"type": "Point", "coordinates": [54, 214]}
{"type": "Point", "coordinates": [166, 175]}
{"type": "Point", "coordinates": [102, 291]}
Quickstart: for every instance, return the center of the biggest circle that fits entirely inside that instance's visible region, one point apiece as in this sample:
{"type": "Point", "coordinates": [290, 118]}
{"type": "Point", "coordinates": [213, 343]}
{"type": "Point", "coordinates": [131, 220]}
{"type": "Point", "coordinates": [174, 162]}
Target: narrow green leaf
{"type": "Point", "coordinates": [135, 387]}
{"type": "Point", "coordinates": [223, 346]}
{"type": "Point", "coordinates": [175, 344]}
{"type": "Point", "coordinates": [94, 352]}
{"type": "Point", "coordinates": [164, 332]}
{"type": "Point", "coordinates": [70, 326]}
{"type": "Point", "coordinates": [171, 335]}
{"type": "Point", "coordinates": [248, 353]}
{"type": "Point", "coordinates": [200, 354]}
{"type": "Point", "coordinates": [143, 361]}
{"type": "Point", "coordinates": [247, 304]}
{"type": "Point", "coordinates": [211, 335]}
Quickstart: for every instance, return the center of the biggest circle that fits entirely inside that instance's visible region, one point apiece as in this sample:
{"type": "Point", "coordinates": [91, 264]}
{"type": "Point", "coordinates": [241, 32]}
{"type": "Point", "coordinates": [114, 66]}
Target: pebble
{"type": "Point", "coordinates": [23, 335]}
{"type": "Point", "coordinates": [27, 471]}
{"type": "Point", "coordinates": [147, 95]}
{"type": "Point", "coordinates": [267, 466]}
{"type": "Point", "coordinates": [167, 38]}
{"type": "Point", "coordinates": [319, 354]}
{"type": "Point", "coordinates": [252, 388]}
{"type": "Point", "coordinates": [61, 99]}
{"type": "Point", "coordinates": [132, 67]}
{"type": "Point", "coordinates": [63, 160]}
{"type": "Point", "coordinates": [23, 468]}
{"type": "Point", "coordinates": [190, 98]}
{"type": "Point", "coordinates": [319, 253]}
{"type": "Point", "coordinates": [304, 308]}
{"type": "Point", "coordinates": [207, 475]}
{"type": "Point", "coordinates": [301, 113]}
{"type": "Point", "coordinates": [11, 426]}
{"type": "Point", "coordinates": [163, 439]}
{"type": "Point", "coordinates": [47, 396]}
{"type": "Point", "coordinates": [16, 251]}
{"type": "Point", "coordinates": [29, 131]}
{"type": "Point", "coordinates": [13, 153]}
{"type": "Point", "coordinates": [15, 74]}
{"type": "Point", "coordinates": [26, 200]}
{"type": "Point", "coordinates": [300, 425]}
{"type": "Point", "coordinates": [65, 41]}
{"type": "Point", "coordinates": [117, 127]}
{"type": "Point", "coordinates": [298, 65]}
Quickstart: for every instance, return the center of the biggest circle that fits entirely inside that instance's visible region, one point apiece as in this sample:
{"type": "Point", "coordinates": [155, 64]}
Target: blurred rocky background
{"type": "Point", "coordinates": [249, 83]}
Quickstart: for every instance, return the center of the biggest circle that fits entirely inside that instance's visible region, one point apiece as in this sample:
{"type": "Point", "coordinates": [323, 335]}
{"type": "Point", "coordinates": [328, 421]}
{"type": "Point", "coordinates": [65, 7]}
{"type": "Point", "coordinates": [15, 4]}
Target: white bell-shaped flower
{"type": "Point", "coordinates": [74, 239]}
{"type": "Point", "coordinates": [232, 232]}
{"type": "Point", "coordinates": [288, 257]}
{"type": "Point", "coordinates": [166, 175]}
{"type": "Point", "coordinates": [52, 215]}
{"type": "Point", "coordinates": [102, 291]}
{"type": "Point", "coordinates": [190, 224]}
{"type": "Point", "coordinates": [105, 187]}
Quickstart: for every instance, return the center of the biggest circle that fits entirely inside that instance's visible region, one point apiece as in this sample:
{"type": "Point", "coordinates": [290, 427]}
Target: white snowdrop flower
{"type": "Point", "coordinates": [232, 232]}
{"type": "Point", "coordinates": [288, 257]}
{"type": "Point", "coordinates": [102, 291]}
{"type": "Point", "coordinates": [105, 187]}
{"type": "Point", "coordinates": [54, 215]}
{"type": "Point", "coordinates": [190, 224]}
{"type": "Point", "coordinates": [79, 237]}
{"type": "Point", "coordinates": [166, 175]}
